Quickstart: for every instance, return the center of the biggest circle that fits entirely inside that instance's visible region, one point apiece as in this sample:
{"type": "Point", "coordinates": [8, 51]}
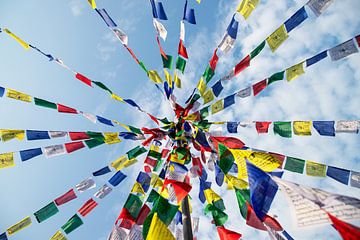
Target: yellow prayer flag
{"type": "Point", "coordinates": [158, 230]}
{"type": "Point", "coordinates": [315, 169]}
{"type": "Point", "coordinates": [137, 188]}
{"type": "Point", "coordinates": [154, 76]}
{"type": "Point", "coordinates": [174, 158]}
{"type": "Point", "coordinates": [217, 106]}
{"type": "Point", "coordinates": [7, 160]}
{"type": "Point", "coordinates": [294, 71]}
{"type": "Point", "coordinates": [211, 196]}
{"type": "Point", "coordinates": [198, 1]}
{"type": "Point", "coordinates": [208, 96]}
{"type": "Point", "coordinates": [116, 97]}
{"type": "Point", "coordinates": [177, 80]}
{"type": "Point", "coordinates": [129, 162]}
{"type": "Point", "coordinates": [155, 148]}
{"type": "Point", "coordinates": [302, 128]}
{"type": "Point", "coordinates": [122, 125]}
{"type": "Point", "coordinates": [58, 236]}
{"type": "Point", "coordinates": [156, 181]}
{"type": "Point", "coordinates": [92, 3]}
{"type": "Point", "coordinates": [19, 226]}
{"type": "Point", "coordinates": [7, 134]}
{"type": "Point", "coordinates": [168, 78]}
{"type": "Point", "coordinates": [277, 38]}
{"type": "Point", "coordinates": [18, 95]}
{"type": "Point", "coordinates": [235, 182]}
{"type": "Point", "coordinates": [118, 163]}
{"type": "Point", "coordinates": [264, 161]}
{"type": "Point", "coordinates": [19, 40]}
{"type": "Point", "coordinates": [111, 137]}
{"type": "Point", "coordinates": [201, 86]}
{"type": "Point", "coordinates": [191, 117]}
{"type": "Point", "coordinates": [246, 7]}
{"type": "Point", "coordinates": [165, 193]}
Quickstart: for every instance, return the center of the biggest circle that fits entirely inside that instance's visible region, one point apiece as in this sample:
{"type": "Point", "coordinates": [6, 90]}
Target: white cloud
{"type": "Point", "coordinates": [77, 7]}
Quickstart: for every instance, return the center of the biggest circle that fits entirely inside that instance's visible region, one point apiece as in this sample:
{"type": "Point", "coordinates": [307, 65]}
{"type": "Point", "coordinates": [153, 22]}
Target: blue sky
{"type": "Point", "coordinates": [73, 32]}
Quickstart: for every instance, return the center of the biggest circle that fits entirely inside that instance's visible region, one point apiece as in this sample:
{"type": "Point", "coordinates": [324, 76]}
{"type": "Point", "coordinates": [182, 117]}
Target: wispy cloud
{"type": "Point", "coordinates": [77, 7]}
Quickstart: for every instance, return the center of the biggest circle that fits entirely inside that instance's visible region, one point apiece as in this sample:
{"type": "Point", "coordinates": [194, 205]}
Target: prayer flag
{"type": "Point", "coordinates": [277, 38]}
{"type": "Point", "coordinates": [121, 35]}
{"type": "Point", "coordinates": [232, 29]}
{"type": "Point", "coordinates": [189, 15]}
{"type": "Point", "coordinates": [158, 230]}
{"type": "Point", "coordinates": [315, 169]}
{"type": "Point", "coordinates": [217, 88]}
{"type": "Point", "coordinates": [74, 136]}
{"type": "Point", "coordinates": [265, 161]}
{"type": "Point", "coordinates": [2, 91]}
{"type": "Point", "coordinates": [355, 179]}
{"type": "Point", "coordinates": [101, 171]}
{"type": "Point", "coordinates": [339, 174]}
{"type": "Point", "coordinates": [302, 128]}
{"type": "Point", "coordinates": [324, 128]}
{"type": "Point", "coordinates": [316, 58]}
{"type": "Point", "coordinates": [347, 231]}
{"type": "Point", "coordinates": [102, 86]}
{"type": "Point", "coordinates": [19, 226]}
{"type": "Point", "coordinates": [84, 79]}
{"type": "Point", "coordinates": [105, 16]}
{"type": "Point", "coordinates": [208, 74]}
{"type": "Point", "coordinates": [343, 50]}
{"type": "Point", "coordinates": [226, 158]}
{"type": "Point", "coordinates": [58, 236]}
{"type": "Point", "coordinates": [154, 76]}
{"type": "Point", "coordinates": [7, 135]}
{"type": "Point", "coordinates": [111, 137]}
{"type": "Point", "coordinates": [91, 143]}
{"type": "Point", "coordinates": [357, 38]}
{"type": "Point", "coordinates": [182, 50]}
{"type": "Point", "coordinates": [201, 86]}
{"type": "Point", "coordinates": [226, 234]}
{"type": "Point", "coordinates": [257, 50]}
{"type": "Point", "coordinates": [219, 175]}
{"type": "Point", "coordinates": [117, 178]}
{"type": "Point", "coordinates": [180, 64]}
{"type": "Point", "coordinates": [229, 100]}
{"type": "Point", "coordinates": [242, 196]}
{"type": "Point", "coordinates": [232, 127]}
{"type": "Point", "coordinates": [54, 150]}
{"type": "Point", "coordinates": [103, 191]}
{"type": "Point", "coordinates": [295, 71]}
{"type": "Point", "coordinates": [218, 215]}
{"type": "Point", "coordinates": [167, 62]}
{"type": "Point", "coordinates": [294, 164]}
{"type": "Point", "coordinates": [44, 103]}
{"type": "Point", "coordinates": [87, 207]}
{"type": "Point", "coordinates": [160, 29]}
{"type": "Point", "coordinates": [246, 92]}
{"type": "Point", "coordinates": [177, 80]}
{"type": "Point", "coordinates": [244, 63]}
{"type": "Point", "coordinates": [86, 184]}
{"type": "Point", "coordinates": [74, 146]}
{"type": "Point", "coordinates": [73, 223]}
{"type": "Point", "coordinates": [283, 129]}
{"type": "Point", "coordinates": [7, 160]}
{"type": "Point", "coordinates": [36, 135]}
{"type": "Point", "coordinates": [46, 212]}
{"type": "Point", "coordinates": [217, 106]}
{"type": "Point", "coordinates": [30, 153]}
{"type": "Point", "coordinates": [133, 205]}
{"type": "Point", "coordinates": [57, 134]}
{"type": "Point", "coordinates": [67, 197]}
{"type": "Point", "coordinates": [246, 7]}
{"type": "Point", "coordinates": [19, 40]}
{"type": "Point", "coordinates": [10, 93]}
{"type": "Point", "coordinates": [64, 109]}
{"type": "Point", "coordinates": [319, 6]}
{"type": "Point", "coordinates": [262, 127]}
{"type": "Point", "coordinates": [296, 19]}
{"type": "Point", "coordinates": [258, 87]}
{"type": "Point", "coordinates": [276, 77]}
{"type": "Point", "coordinates": [182, 30]}
{"type": "Point", "coordinates": [213, 61]}
{"type": "Point", "coordinates": [226, 44]}
{"type": "Point", "coordinates": [345, 126]}
{"type": "Point", "coordinates": [92, 3]}
{"type": "Point", "coordinates": [104, 121]}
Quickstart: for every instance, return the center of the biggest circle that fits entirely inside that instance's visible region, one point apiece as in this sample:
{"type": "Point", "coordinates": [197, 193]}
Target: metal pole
{"type": "Point", "coordinates": [186, 219]}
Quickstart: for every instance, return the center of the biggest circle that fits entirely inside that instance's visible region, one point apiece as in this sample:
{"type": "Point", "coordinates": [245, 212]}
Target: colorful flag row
{"type": "Point", "coordinates": [13, 94]}
{"type": "Point", "coordinates": [299, 128]}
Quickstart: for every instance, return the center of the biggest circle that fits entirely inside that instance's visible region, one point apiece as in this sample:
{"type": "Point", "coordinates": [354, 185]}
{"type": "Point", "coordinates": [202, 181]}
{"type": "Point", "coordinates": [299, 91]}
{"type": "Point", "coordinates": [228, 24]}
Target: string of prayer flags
{"type": "Point", "coordinates": [246, 7]}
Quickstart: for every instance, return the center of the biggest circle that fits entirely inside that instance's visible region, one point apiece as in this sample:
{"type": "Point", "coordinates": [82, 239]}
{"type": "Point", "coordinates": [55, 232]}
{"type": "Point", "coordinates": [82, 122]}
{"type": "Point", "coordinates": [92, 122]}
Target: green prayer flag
{"type": "Point", "coordinates": [242, 196]}
{"type": "Point", "coordinates": [158, 164]}
{"type": "Point", "coordinates": [283, 129]}
{"type": "Point", "coordinates": [97, 135]}
{"type": "Point", "coordinates": [91, 143]}
{"type": "Point", "coordinates": [154, 154]}
{"type": "Point", "coordinates": [44, 103]}
{"type": "Point", "coordinates": [204, 112]}
{"type": "Point", "coordinates": [72, 224]}
{"type": "Point", "coordinates": [136, 151]}
{"type": "Point", "coordinates": [142, 65]}
{"type": "Point", "coordinates": [294, 164]}
{"type": "Point", "coordinates": [208, 74]}
{"type": "Point", "coordinates": [167, 63]}
{"type": "Point", "coordinates": [135, 130]}
{"type": "Point", "coordinates": [133, 204]}
{"type": "Point", "coordinates": [257, 50]}
{"type": "Point", "coordinates": [101, 85]}
{"type": "Point", "coordinates": [180, 64]}
{"type": "Point", "coordinates": [276, 77]}
{"type": "Point", "coordinates": [46, 212]}
{"type": "Point", "coordinates": [226, 158]}
{"type": "Point", "coordinates": [153, 196]}
{"type": "Point", "coordinates": [219, 216]}
{"type": "Point", "coordinates": [195, 98]}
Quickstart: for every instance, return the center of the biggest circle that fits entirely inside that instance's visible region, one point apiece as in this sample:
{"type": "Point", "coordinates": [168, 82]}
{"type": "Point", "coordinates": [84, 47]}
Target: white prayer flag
{"type": "Point", "coordinates": [319, 6]}
{"type": "Point", "coordinates": [182, 31]}
{"type": "Point", "coordinates": [56, 134]}
{"type": "Point", "coordinates": [160, 29]}
{"type": "Point", "coordinates": [103, 191]}
{"type": "Point", "coordinates": [227, 43]}
{"type": "Point", "coordinates": [343, 50]}
{"type": "Point", "coordinates": [85, 185]}
{"type": "Point", "coordinates": [54, 150]}
{"type": "Point", "coordinates": [121, 35]}
{"type": "Point", "coordinates": [345, 126]}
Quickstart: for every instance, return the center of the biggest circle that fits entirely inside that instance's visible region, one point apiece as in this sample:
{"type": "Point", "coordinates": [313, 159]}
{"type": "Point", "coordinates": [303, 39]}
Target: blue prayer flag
{"type": "Point", "coordinates": [203, 186]}
{"type": "Point", "coordinates": [129, 135]}
{"type": "Point", "coordinates": [234, 168]}
{"type": "Point", "coordinates": [339, 174]}
{"type": "Point", "coordinates": [153, 7]}
{"type": "Point", "coordinates": [36, 135]}
{"type": "Point", "coordinates": [189, 14]}
{"type": "Point", "coordinates": [316, 58]}
{"type": "Point", "coordinates": [117, 178]}
{"type": "Point", "coordinates": [144, 179]}
{"type": "Point", "coordinates": [46, 55]}
{"type": "Point", "coordinates": [30, 153]}
{"type": "Point", "coordinates": [262, 190]}
{"type": "Point", "coordinates": [324, 128]}
{"type": "Point", "coordinates": [2, 91]}
{"type": "Point", "coordinates": [232, 127]}
{"type": "Point", "coordinates": [102, 171]}
{"type": "Point", "coordinates": [168, 90]}
{"type": "Point", "coordinates": [278, 174]}
{"type": "Point", "coordinates": [104, 121]}
{"type": "Point", "coordinates": [287, 235]}
{"type": "Point", "coordinates": [160, 11]}
{"type": "Point", "coordinates": [162, 174]}
{"type": "Point", "coordinates": [296, 19]}
{"type": "Point", "coordinates": [178, 218]}
{"type": "Point", "coordinates": [229, 100]}
{"type": "Point", "coordinates": [217, 88]}
{"type": "Point", "coordinates": [3, 236]}
{"type": "Point", "coordinates": [132, 103]}
{"type": "Point", "coordinates": [219, 176]}
{"type": "Point", "coordinates": [232, 29]}
{"type": "Point", "coordinates": [105, 16]}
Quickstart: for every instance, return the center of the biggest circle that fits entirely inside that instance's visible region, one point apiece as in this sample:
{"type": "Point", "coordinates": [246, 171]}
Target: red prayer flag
{"type": "Point", "coordinates": [153, 118]}
{"type": "Point", "coordinates": [242, 65]}
{"type": "Point", "coordinates": [214, 60]}
{"type": "Point", "coordinates": [161, 49]}
{"type": "Point", "coordinates": [67, 197]}
{"type": "Point", "coordinates": [226, 234]}
{"type": "Point", "coordinates": [65, 109]}
{"type": "Point", "coordinates": [253, 220]}
{"type": "Point", "coordinates": [181, 189]}
{"type": "Point", "coordinates": [182, 50]}
{"type": "Point", "coordinates": [229, 142]}
{"type": "Point", "coordinates": [87, 207]}
{"type": "Point", "coordinates": [74, 146]}
{"type": "Point", "coordinates": [144, 212]}
{"type": "Point", "coordinates": [258, 87]}
{"type": "Point", "coordinates": [346, 230]}
{"type": "Point", "coordinates": [132, 53]}
{"type": "Point", "coordinates": [358, 40]}
{"type": "Point", "coordinates": [83, 79]}
{"type": "Point", "coordinates": [262, 127]}
{"type": "Point", "coordinates": [127, 220]}
{"type": "Point", "coordinates": [78, 136]}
